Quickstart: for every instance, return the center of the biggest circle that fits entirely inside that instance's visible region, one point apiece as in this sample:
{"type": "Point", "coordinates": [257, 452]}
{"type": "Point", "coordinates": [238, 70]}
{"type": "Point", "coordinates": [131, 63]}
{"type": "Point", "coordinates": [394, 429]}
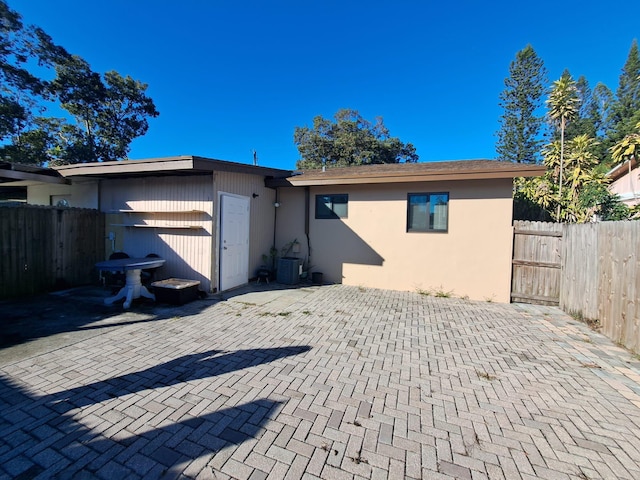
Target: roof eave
{"type": "Point", "coordinates": [622, 169]}
{"type": "Point", "coordinates": [127, 167]}
{"type": "Point", "coordinates": [167, 165]}
{"type": "Point", "coordinates": [300, 181]}
{"type": "Point", "coordinates": [18, 175]}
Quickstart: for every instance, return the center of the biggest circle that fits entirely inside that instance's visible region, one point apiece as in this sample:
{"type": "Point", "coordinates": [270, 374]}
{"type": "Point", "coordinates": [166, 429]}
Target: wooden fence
{"type": "Point", "coordinates": [46, 248]}
{"type": "Point", "coordinates": [601, 278]}
{"type": "Point", "coordinates": [594, 268]}
{"type": "Point", "coordinates": [537, 250]}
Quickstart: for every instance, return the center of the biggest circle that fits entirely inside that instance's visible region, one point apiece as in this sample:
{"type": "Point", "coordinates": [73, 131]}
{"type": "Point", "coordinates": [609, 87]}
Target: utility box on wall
{"type": "Point", "coordinates": [288, 270]}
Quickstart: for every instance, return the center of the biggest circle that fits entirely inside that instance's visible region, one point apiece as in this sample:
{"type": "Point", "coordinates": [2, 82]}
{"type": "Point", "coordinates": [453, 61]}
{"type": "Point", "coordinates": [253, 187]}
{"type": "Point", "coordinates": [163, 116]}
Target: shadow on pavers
{"type": "Point", "coordinates": [79, 309]}
{"type": "Point", "coordinates": [162, 448]}
{"type": "Point", "coordinates": [83, 310]}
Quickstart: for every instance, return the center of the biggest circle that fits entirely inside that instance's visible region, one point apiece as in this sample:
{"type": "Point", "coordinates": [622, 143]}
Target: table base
{"type": "Point", "coordinates": [132, 289]}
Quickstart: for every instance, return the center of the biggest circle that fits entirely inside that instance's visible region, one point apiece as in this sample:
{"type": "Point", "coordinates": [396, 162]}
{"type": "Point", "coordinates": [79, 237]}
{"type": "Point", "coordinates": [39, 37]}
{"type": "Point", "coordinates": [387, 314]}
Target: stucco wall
{"type": "Point", "coordinates": [628, 187]}
{"type": "Point", "coordinates": [372, 248]}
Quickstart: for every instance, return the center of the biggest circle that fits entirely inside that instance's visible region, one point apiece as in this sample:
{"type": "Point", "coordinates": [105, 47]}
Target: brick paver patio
{"type": "Point", "coordinates": [326, 382]}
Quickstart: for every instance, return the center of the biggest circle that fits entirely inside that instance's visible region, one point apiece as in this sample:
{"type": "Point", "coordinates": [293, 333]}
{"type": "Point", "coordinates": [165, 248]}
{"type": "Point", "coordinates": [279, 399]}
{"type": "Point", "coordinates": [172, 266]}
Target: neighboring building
{"type": "Point", "coordinates": [441, 226]}
{"type": "Point", "coordinates": [15, 177]}
{"type": "Point", "coordinates": [625, 182]}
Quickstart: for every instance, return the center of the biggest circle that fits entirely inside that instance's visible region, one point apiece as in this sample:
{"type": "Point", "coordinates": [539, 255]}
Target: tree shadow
{"type": "Point", "coordinates": [44, 434]}
{"type": "Point", "coordinates": [79, 309]}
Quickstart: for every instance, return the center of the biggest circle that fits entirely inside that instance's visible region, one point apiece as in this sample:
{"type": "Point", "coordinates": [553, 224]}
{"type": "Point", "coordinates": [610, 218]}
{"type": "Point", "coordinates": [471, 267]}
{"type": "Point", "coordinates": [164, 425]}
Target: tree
{"type": "Point", "coordinates": [563, 106]}
{"type": "Point", "coordinates": [584, 192]}
{"type": "Point", "coordinates": [109, 114]}
{"type": "Point", "coordinates": [587, 114]}
{"type": "Point", "coordinates": [109, 111]}
{"type": "Point", "coordinates": [18, 86]}
{"type": "Point", "coordinates": [628, 148]}
{"type": "Point", "coordinates": [519, 138]}
{"type": "Point", "coordinates": [626, 109]}
{"type": "Point", "coordinates": [602, 101]}
{"type": "Point", "coordinates": [349, 140]}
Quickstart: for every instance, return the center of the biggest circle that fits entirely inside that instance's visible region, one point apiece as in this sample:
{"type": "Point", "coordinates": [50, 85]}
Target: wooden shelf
{"type": "Point", "coordinates": [178, 227]}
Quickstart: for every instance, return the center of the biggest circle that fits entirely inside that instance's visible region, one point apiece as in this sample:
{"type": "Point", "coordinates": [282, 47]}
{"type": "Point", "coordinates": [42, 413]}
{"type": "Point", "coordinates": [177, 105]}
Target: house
{"type": "Point", "coordinates": [210, 219]}
{"type": "Point", "coordinates": [625, 182]}
{"type": "Point", "coordinates": [442, 226]}
{"type": "Point", "coordinates": [14, 179]}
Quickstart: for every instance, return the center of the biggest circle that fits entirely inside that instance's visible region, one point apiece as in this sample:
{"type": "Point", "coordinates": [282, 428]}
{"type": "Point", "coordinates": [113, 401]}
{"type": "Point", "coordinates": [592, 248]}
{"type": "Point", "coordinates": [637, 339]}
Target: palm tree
{"type": "Point", "coordinates": [628, 148]}
{"type": "Point", "coordinates": [563, 106]}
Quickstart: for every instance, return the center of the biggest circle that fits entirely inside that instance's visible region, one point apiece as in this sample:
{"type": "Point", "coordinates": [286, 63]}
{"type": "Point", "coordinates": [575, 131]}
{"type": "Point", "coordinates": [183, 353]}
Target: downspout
{"type": "Point", "coordinates": [306, 222]}
{"type": "Point", "coordinates": [633, 191]}
{"type": "Point", "coordinates": [275, 215]}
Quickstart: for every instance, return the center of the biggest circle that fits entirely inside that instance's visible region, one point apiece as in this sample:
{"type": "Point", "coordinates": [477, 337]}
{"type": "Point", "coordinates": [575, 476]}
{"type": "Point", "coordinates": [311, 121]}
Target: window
{"type": "Point", "coordinates": [428, 212]}
{"type": "Point", "coordinates": [332, 206]}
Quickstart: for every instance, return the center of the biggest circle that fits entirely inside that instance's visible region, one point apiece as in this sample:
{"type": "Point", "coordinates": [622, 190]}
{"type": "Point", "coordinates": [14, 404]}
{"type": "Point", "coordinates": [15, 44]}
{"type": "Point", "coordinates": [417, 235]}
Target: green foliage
{"type": "Point", "coordinates": [349, 140]}
{"type": "Point", "coordinates": [525, 206]}
{"type": "Point", "coordinates": [625, 112]}
{"type": "Point", "coordinates": [587, 116]}
{"type": "Point", "coordinates": [628, 148]}
{"type": "Point", "coordinates": [519, 138]}
{"type": "Point", "coordinates": [19, 47]}
{"type": "Point", "coordinates": [563, 107]}
{"type": "Point", "coordinates": [106, 111]}
{"type": "Point", "coordinates": [584, 190]}
{"type": "Point", "coordinates": [109, 114]}
{"type": "Point", "coordinates": [563, 102]}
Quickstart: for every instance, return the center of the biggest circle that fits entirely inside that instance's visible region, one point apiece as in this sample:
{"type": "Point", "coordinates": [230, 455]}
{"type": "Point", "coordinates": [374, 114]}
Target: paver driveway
{"type": "Point", "coordinates": [323, 382]}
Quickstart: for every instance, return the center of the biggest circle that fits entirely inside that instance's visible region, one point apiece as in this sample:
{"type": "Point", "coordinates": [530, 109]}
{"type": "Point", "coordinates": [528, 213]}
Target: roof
{"type": "Point", "coordinates": [621, 170]}
{"type": "Point", "coordinates": [411, 172]}
{"type": "Point", "coordinates": [180, 165]}
{"type": "Point", "coordinates": [19, 175]}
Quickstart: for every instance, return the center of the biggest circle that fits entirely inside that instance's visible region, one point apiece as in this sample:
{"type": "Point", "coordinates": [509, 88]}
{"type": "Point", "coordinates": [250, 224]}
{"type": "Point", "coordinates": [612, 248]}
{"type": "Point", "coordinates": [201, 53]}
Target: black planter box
{"type": "Point", "coordinates": [176, 291]}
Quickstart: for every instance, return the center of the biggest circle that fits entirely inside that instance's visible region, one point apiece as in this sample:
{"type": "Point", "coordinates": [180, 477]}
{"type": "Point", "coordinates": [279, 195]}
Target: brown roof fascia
{"type": "Point", "coordinates": [17, 174]}
{"type": "Point", "coordinates": [352, 177]}
{"type": "Point", "coordinates": [166, 165]}
{"type": "Point", "coordinates": [621, 170]}
{"type": "Point", "coordinates": [227, 166]}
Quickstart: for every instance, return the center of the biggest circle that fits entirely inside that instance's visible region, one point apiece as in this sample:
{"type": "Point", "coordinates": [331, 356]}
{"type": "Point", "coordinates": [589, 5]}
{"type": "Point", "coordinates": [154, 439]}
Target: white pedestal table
{"type": "Point", "coordinates": [132, 267]}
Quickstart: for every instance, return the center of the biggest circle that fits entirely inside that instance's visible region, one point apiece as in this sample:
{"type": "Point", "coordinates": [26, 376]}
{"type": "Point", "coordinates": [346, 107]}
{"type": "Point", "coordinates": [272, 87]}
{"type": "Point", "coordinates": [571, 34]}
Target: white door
{"type": "Point", "coordinates": [234, 241]}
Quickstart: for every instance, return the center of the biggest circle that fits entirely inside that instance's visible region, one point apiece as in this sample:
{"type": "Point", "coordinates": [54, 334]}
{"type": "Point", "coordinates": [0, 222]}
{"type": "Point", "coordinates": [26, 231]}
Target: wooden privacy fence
{"type": "Point", "coordinates": [44, 248]}
{"type": "Point", "coordinates": [590, 270]}
{"type": "Point", "coordinates": [537, 253]}
{"type": "Point", "coordinates": [601, 277]}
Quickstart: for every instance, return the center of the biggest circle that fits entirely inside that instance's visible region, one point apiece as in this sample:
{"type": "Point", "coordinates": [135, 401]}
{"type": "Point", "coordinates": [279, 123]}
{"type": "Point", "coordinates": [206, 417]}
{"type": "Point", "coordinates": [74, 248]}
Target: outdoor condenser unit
{"type": "Point", "coordinates": [288, 270]}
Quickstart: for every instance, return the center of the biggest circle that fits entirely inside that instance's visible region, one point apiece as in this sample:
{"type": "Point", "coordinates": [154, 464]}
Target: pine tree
{"type": "Point", "coordinates": [587, 114]}
{"type": "Point", "coordinates": [626, 109]}
{"type": "Point", "coordinates": [519, 138]}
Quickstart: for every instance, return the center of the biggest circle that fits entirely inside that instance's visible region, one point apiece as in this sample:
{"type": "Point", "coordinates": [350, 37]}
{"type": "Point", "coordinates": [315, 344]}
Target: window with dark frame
{"type": "Point", "coordinates": [332, 206]}
{"type": "Point", "coordinates": [428, 212]}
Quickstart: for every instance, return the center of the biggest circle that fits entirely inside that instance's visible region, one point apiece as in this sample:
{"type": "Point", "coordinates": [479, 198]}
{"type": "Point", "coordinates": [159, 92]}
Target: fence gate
{"type": "Point", "coordinates": [537, 250]}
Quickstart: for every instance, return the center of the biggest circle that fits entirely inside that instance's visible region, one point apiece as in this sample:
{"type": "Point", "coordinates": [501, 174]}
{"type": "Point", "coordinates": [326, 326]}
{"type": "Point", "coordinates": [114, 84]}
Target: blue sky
{"type": "Point", "coordinates": [232, 76]}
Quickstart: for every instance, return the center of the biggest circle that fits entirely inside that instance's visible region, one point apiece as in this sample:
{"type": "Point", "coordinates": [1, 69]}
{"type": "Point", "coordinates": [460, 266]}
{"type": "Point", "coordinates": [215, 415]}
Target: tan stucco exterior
{"type": "Point", "coordinates": [371, 247]}
{"type": "Point", "coordinates": [626, 184]}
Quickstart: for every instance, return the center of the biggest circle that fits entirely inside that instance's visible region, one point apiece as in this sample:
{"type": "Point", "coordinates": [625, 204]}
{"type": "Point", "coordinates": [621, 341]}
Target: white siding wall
{"type": "Point", "coordinates": [158, 201]}
{"type": "Point", "coordinates": [164, 201]}
{"type": "Point", "coordinates": [261, 209]}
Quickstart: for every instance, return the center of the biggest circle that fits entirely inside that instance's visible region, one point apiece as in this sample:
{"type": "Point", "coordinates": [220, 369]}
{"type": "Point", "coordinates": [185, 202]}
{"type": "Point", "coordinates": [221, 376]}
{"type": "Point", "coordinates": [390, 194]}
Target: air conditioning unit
{"type": "Point", "coordinates": [288, 270]}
